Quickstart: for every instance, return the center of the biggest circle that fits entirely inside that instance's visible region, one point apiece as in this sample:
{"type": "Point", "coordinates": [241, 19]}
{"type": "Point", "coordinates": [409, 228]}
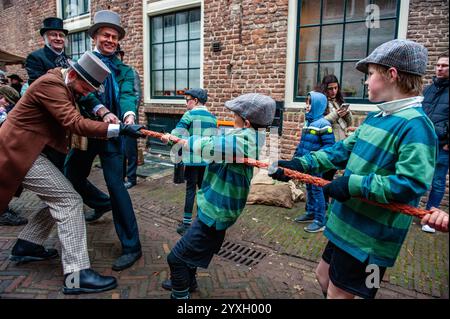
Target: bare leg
{"type": "Point", "coordinates": [322, 276]}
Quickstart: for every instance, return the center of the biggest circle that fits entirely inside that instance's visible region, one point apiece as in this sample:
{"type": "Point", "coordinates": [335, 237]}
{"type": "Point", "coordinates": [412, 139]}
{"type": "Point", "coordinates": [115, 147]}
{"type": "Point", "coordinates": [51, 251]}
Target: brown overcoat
{"type": "Point", "coordinates": [45, 115]}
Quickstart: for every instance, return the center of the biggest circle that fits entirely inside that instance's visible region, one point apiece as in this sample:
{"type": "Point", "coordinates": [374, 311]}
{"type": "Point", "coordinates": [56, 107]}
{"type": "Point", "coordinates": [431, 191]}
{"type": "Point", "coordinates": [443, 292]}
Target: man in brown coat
{"type": "Point", "coordinates": [47, 115]}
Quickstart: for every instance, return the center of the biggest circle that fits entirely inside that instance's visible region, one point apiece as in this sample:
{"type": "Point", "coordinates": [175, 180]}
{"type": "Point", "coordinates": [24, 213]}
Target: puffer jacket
{"type": "Point", "coordinates": [435, 105]}
{"type": "Point", "coordinates": [317, 132]}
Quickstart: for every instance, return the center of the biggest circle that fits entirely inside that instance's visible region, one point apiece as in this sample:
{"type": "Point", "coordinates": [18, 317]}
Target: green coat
{"type": "Point", "coordinates": [127, 96]}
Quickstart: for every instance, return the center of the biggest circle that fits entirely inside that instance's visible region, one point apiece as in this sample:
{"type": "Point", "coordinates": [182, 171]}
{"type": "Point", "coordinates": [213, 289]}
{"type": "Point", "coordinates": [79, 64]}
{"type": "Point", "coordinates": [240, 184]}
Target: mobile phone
{"type": "Point", "coordinates": [345, 106]}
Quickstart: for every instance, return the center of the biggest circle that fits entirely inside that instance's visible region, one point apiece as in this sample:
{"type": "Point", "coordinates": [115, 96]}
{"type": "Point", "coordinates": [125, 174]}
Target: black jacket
{"type": "Point", "coordinates": [435, 105]}
{"type": "Point", "coordinates": [40, 61]}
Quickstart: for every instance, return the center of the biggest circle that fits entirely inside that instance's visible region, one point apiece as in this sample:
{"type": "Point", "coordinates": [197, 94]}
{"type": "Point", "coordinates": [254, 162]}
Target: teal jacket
{"type": "Point", "coordinates": [127, 96]}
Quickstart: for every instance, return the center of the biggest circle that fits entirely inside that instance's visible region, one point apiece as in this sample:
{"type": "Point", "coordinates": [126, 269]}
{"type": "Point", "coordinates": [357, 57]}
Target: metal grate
{"type": "Point", "coordinates": [241, 254]}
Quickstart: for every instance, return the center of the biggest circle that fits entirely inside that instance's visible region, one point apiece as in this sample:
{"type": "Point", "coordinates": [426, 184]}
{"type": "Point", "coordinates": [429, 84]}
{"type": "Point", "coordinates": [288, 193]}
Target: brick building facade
{"type": "Point", "coordinates": [243, 46]}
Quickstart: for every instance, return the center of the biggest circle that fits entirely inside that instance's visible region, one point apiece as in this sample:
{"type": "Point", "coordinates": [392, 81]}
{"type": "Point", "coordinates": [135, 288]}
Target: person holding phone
{"type": "Point", "coordinates": [338, 114]}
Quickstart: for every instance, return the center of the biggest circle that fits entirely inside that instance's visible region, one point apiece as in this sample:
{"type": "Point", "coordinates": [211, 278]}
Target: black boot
{"type": "Point", "coordinates": [87, 281]}
{"type": "Point", "coordinates": [26, 251]}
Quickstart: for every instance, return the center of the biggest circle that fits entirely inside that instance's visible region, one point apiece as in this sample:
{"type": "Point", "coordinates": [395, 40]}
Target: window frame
{"type": "Point", "coordinates": [88, 10]}
{"type": "Point", "coordinates": [87, 39]}
{"type": "Point", "coordinates": [292, 77]}
{"type": "Point", "coordinates": [175, 41]}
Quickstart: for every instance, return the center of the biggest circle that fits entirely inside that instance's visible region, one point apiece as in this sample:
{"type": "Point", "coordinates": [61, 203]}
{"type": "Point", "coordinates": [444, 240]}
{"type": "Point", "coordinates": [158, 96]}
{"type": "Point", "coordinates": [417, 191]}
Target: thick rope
{"type": "Point", "coordinates": [317, 181]}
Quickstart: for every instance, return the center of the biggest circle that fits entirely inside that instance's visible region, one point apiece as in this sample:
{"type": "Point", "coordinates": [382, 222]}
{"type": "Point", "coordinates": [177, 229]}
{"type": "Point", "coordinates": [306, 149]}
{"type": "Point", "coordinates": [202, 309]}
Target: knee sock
{"type": "Point", "coordinates": [177, 294]}
{"type": "Point", "coordinates": [187, 218]}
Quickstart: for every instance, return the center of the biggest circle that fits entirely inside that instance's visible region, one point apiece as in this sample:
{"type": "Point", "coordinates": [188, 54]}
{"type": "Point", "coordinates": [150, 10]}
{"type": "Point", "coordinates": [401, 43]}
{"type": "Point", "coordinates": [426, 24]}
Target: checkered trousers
{"type": "Point", "coordinates": [64, 206]}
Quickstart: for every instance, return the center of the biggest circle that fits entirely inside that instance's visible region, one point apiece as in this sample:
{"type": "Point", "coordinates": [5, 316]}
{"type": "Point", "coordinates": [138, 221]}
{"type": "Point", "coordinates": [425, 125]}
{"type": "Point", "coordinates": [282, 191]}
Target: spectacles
{"type": "Point", "coordinates": [188, 99]}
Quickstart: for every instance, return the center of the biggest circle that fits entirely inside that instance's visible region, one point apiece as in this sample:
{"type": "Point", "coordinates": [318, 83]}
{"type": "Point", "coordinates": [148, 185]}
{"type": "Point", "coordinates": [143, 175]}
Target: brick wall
{"type": "Point", "coordinates": [428, 24]}
{"type": "Point", "coordinates": [20, 24]}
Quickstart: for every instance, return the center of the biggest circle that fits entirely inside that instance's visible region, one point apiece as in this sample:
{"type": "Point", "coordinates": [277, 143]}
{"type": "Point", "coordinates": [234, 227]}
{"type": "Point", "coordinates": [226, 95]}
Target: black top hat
{"type": "Point", "coordinates": [16, 77]}
{"type": "Point", "coordinates": [53, 23]}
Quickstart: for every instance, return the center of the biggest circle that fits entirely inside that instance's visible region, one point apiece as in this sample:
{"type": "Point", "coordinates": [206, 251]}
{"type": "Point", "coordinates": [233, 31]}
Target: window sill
{"type": "Point", "coordinates": [353, 107]}
{"type": "Point", "coordinates": [166, 101]}
{"type": "Point", "coordinates": [78, 22]}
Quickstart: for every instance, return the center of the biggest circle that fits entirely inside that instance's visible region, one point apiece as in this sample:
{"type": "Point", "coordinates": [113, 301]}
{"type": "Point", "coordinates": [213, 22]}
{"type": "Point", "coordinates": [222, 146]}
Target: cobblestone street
{"type": "Point", "coordinates": [265, 255]}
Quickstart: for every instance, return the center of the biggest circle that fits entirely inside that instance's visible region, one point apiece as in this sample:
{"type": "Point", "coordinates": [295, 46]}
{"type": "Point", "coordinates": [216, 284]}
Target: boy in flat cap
{"type": "Point", "coordinates": [224, 191]}
{"type": "Point", "coordinates": [389, 158]}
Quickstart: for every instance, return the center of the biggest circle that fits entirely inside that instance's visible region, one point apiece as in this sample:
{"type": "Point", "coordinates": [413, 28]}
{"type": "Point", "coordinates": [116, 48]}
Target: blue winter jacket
{"type": "Point", "coordinates": [317, 132]}
{"type": "Point", "coordinates": [435, 105]}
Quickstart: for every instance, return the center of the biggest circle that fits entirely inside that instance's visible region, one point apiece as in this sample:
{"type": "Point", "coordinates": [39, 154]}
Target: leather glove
{"type": "Point", "coordinates": [278, 174]}
{"type": "Point", "coordinates": [132, 130]}
{"type": "Point", "coordinates": [293, 164]}
{"type": "Point", "coordinates": [338, 189]}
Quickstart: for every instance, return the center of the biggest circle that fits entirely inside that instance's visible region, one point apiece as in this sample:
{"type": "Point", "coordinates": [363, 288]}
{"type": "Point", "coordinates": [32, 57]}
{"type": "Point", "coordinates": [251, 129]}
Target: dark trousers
{"type": "Point", "coordinates": [195, 249]}
{"type": "Point", "coordinates": [77, 169]}
{"type": "Point", "coordinates": [328, 175]}
{"type": "Point", "coordinates": [194, 178]}
{"type": "Point", "coordinates": [130, 159]}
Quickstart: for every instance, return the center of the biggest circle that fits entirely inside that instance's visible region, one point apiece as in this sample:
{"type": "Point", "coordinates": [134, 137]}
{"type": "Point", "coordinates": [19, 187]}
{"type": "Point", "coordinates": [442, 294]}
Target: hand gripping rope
{"type": "Point", "coordinates": [317, 181]}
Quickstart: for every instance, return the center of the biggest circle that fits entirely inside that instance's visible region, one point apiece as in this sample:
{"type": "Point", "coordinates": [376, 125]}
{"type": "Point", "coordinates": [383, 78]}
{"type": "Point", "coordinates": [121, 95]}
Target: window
{"type": "Point", "coordinates": [74, 8]}
{"type": "Point", "coordinates": [174, 53]}
{"type": "Point", "coordinates": [77, 43]}
{"type": "Point", "coordinates": [332, 35]}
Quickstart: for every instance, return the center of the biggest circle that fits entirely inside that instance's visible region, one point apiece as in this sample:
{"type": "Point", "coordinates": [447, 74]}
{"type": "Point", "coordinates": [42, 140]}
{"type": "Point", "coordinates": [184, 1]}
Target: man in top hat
{"type": "Point", "coordinates": [47, 115]}
{"type": "Point", "coordinates": [37, 64]}
{"type": "Point", "coordinates": [52, 54]}
{"type": "Point", "coordinates": [130, 150]}
{"type": "Point", "coordinates": [116, 103]}
{"type": "Point", "coordinates": [16, 82]}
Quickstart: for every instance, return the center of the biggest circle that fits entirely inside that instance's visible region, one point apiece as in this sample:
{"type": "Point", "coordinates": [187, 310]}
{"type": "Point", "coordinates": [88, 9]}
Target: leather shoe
{"type": "Point", "coordinates": [11, 218]}
{"type": "Point", "coordinates": [167, 284]}
{"type": "Point", "coordinates": [96, 214]}
{"type": "Point", "coordinates": [87, 281]}
{"type": "Point", "coordinates": [26, 251]}
{"type": "Point", "coordinates": [128, 185]}
{"type": "Point", "coordinates": [126, 260]}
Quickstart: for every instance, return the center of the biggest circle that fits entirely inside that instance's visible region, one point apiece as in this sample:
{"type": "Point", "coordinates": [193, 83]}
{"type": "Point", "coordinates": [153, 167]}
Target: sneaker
{"type": "Point", "coordinates": [181, 229]}
{"type": "Point", "coordinates": [428, 229]}
{"type": "Point", "coordinates": [305, 218]}
{"type": "Point", "coordinates": [314, 227]}
{"type": "Point", "coordinates": [11, 218]}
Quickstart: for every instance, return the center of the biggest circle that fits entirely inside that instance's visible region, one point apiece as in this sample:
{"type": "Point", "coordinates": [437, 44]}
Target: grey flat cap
{"type": "Point", "coordinates": [256, 108]}
{"type": "Point", "coordinates": [106, 18]}
{"type": "Point", "coordinates": [198, 93]}
{"type": "Point", "coordinates": [404, 55]}
{"type": "Point", "coordinates": [91, 69]}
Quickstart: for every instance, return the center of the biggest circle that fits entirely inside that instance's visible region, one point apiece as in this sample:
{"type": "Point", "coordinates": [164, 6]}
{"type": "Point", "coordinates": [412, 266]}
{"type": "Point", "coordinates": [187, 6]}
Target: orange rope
{"type": "Point", "coordinates": [308, 179]}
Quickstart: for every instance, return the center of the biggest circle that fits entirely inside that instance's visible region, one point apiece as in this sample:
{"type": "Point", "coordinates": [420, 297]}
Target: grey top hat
{"type": "Point", "coordinates": [91, 69]}
{"type": "Point", "coordinates": [404, 55]}
{"type": "Point", "coordinates": [106, 18]}
{"type": "Point", "coordinates": [256, 108]}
